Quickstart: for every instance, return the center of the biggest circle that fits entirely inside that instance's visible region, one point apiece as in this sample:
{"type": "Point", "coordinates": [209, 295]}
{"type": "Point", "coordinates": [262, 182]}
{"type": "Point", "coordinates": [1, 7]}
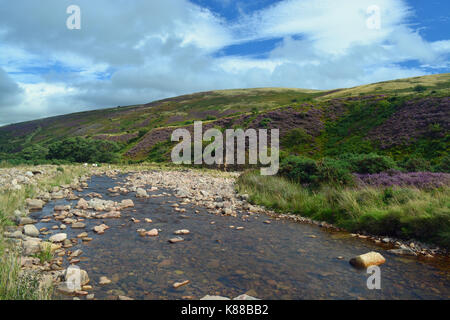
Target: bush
{"type": "Point", "coordinates": [420, 88]}
{"type": "Point", "coordinates": [295, 137]}
{"type": "Point", "coordinates": [334, 172]}
{"type": "Point", "coordinates": [415, 164]}
{"type": "Point", "coordinates": [35, 152]}
{"type": "Point", "coordinates": [265, 122]}
{"type": "Point", "coordinates": [315, 173]}
{"type": "Point", "coordinates": [300, 170]}
{"type": "Point", "coordinates": [210, 118]}
{"type": "Point", "coordinates": [444, 165]}
{"type": "Point", "coordinates": [84, 150]}
{"type": "Point", "coordinates": [369, 163]}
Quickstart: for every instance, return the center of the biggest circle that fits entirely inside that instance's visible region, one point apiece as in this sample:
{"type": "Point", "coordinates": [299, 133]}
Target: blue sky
{"type": "Point", "coordinates": [136, 51]}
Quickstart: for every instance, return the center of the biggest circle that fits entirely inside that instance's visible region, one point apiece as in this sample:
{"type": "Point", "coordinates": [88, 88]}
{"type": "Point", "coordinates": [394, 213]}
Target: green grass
{"type": "Point", "coordinates": [45, 255]}
{"type": "Point", "coordinates": [406, 213]}
{"type": "Point", "coordinates": [18, 285]}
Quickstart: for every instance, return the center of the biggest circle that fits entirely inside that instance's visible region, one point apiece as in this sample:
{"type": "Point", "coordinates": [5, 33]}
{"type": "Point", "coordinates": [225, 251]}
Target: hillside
{"type": "Point", "coordinates": [399, 118]}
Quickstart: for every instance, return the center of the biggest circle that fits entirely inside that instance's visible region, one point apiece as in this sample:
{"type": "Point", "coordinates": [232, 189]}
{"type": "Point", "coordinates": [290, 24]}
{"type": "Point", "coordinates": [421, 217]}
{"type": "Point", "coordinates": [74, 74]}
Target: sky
{"type": "Point", "coordinates": [136, 51]}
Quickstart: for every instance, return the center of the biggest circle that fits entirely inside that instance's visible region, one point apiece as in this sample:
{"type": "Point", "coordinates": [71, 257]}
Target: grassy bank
{"type": "Point", "coordinates": [406, 213]}
{"type": "Point", "coordinates": [15, 284]}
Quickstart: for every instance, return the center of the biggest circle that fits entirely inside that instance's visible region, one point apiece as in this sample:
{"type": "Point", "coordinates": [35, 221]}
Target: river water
{"type": "Point", "coordinates": [281, 260]}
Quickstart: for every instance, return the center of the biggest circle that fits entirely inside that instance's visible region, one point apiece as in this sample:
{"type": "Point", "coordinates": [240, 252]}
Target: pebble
{"type": "Point", "coordinates": [104, 281]}
{"type": "Point", "coordinates": [152, 233]}
{"type": "Point", "coordinates": [182, 232]}
{"type": "Point", "coordinates": [177, 285]}
{"type": "Point", "coordinates": [176, 239]}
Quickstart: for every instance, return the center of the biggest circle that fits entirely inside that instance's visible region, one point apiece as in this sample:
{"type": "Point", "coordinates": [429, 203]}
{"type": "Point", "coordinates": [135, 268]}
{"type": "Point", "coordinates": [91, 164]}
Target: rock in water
{"type": "Point", "coordinates": [152, 233]}
{"type": "Point", "coordinates": [245, 297]}
{"type": "Point", "coordinates": [207, 297]}
{"type": "Point", "coordinates": [104, 281]}
{"type": "Point", "coordinates": [182, 232]}
{"type": "Point", "coordinates": [367, 260]}
{"type": "Point", "coordinates": [176, 285]}
{"type": "Point", "coordinates": [82, 204]}
{"type": "Point", "coordinates": [78, 225]}
{"type": "Point", "coordinates": [176, 239]}
{"type": "Point", "coordinates": [403, 251]}
{"type": "Point", "coordinates": [127, 203]}
{"type": "Point", "coordinates": [59, 237]}
{"type": "Point", "coordinates": [35, 204]}
{"type": "Point", "coordinates": [141, 193]}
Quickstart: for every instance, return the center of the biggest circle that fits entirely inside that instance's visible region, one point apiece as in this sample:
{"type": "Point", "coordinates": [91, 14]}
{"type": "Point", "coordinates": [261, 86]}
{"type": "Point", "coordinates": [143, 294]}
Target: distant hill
{"type": "Point", "coordinates": [401, 117]}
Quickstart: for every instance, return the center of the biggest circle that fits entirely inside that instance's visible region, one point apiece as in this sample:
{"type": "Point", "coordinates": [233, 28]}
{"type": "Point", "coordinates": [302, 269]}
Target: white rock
{"type": "Point", "coordinates": [207, 297]}
{"type": "Point", "coordinates": [31, 230]}
{"type": "Point", "coordinates": [59, 237]}
{"type": "Point", "coordinates": [367, 260]}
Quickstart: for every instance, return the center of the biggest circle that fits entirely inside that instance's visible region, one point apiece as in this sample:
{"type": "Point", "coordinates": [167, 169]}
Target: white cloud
{"type": "Point", "coordinates": [133, 51]}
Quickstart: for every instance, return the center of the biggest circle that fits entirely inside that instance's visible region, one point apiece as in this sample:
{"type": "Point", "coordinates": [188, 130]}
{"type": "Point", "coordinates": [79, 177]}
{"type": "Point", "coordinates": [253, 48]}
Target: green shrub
{"type": "Point", "coordinates": [444, 165]}
{"type": "Point", "coordinates": [415, 164]}
{"type": "Point", "coordinates": [368, 163]}
{"type": "Point", "coordinates": [295, 137]}
{"type": "Point", "coordinates": [35, 152]}
{"type": "Point", "coordinates": [334, 172]}
{"type": "Point", "coordinates": [315, 173]}
{"type": "Point", "coordinates": [300, 170]}
{"type": "Point", "coordinates": [420, 88]}
{"type": "Point", "coordinates": [265, 122]}
{"type": "Point", "coordinates": [81, 150]}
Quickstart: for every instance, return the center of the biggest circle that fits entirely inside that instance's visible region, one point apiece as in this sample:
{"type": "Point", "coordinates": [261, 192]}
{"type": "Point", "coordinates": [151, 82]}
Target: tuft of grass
{"type": "Point", "coordinates": [45, 255]}
{"type": "Point", "coordinates": [401, 212]}
{"type": "Point", "coordinates": [16, 284]}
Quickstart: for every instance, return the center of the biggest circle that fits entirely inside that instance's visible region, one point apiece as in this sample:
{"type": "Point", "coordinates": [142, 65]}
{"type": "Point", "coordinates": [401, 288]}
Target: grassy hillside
{"type": "Point", "coordinates": [399, 118]}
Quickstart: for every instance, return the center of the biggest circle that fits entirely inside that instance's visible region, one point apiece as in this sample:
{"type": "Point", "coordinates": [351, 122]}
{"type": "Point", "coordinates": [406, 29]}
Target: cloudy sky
{"type": "Point", "coordinates": [136, 51]}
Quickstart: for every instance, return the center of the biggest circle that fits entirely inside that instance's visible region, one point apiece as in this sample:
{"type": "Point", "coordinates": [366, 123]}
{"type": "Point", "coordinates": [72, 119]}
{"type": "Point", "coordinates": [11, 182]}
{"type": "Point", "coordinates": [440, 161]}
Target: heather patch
{"type": "Point", "coordinates": [419, 180]}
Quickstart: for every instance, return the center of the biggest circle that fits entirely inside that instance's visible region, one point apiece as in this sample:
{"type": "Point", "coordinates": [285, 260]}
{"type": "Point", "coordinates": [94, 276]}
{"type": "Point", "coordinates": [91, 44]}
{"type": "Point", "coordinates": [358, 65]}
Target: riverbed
{"type": "Point", "coordinates": [229, 256]}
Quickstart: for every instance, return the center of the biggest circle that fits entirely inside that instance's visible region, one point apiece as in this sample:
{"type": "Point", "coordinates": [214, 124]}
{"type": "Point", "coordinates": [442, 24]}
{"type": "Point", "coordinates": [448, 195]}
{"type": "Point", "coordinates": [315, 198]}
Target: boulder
{"type": "Point", "coordinates": [367, 260]}
{"type": "Point", "coordinates": [82, 204]}
{"type": "Point", "coordinates": [127, 203]}
{"type": "Point", "coordinates": [30, 230]}
{"type": "Point", "coordinates": [75, 278]}
{"type": "Point", "coordinates": [78, 225]}
{"type": "Point", "coordinates": [35, 204]}
{"type": "Point", "coordinates": [59, 237]}
{"type": "Point", "coordinates": [25, 220]}
{"type": "Point", "coordinates": [31, 247]}
{"type": "Point", "coordinates": [141, 193]}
